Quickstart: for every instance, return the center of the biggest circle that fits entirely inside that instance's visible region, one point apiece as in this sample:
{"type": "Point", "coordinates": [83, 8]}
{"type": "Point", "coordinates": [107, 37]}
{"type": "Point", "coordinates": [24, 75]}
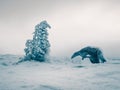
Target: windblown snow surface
{"type": "Point", "coordinates": [58, 74]}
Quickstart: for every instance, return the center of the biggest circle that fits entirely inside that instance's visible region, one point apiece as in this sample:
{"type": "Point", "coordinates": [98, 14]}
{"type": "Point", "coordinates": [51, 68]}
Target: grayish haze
{"type": "Point", "coordinates": [75, 24]}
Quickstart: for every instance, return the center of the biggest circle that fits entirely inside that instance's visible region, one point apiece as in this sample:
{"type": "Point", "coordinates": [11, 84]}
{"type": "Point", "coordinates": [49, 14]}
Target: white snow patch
{"type": "Point", "coordinates": [58, 74]}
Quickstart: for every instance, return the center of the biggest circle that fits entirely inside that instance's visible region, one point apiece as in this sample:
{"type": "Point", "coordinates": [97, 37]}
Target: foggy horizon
{"type": "Point", "coordinates": [74, 24]}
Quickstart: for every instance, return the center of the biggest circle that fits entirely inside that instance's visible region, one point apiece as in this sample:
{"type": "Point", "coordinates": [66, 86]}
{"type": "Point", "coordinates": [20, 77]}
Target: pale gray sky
{"type": "Point", "coordinates": [75, 24]}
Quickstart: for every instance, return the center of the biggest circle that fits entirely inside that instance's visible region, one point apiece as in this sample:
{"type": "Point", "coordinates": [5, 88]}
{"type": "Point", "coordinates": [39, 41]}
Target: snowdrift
{"type": "Point", "coordinates": [58, 74]}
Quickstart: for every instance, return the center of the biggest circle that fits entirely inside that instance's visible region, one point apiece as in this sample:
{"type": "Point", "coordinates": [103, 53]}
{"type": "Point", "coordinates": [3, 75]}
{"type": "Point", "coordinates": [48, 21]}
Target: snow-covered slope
{"type": "Point", "coordinates": [58, 74]}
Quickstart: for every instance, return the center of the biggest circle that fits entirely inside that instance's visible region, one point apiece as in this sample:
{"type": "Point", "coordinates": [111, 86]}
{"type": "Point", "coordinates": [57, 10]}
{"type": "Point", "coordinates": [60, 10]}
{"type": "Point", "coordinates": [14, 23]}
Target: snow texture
{"type": "Point", "coordinates": [38, 47]}
{"type": "Point", "coordinates": [58, 74]}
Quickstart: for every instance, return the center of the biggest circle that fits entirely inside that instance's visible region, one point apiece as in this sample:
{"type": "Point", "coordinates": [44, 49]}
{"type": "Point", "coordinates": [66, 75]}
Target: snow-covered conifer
{"type": "Point", "coordinates": [38, 47]}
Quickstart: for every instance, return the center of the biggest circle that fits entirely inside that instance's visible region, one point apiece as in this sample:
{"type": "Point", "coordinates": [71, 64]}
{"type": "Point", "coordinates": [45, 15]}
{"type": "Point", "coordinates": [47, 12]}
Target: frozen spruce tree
{"type": "Point", "coordinates": [38, 48]}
